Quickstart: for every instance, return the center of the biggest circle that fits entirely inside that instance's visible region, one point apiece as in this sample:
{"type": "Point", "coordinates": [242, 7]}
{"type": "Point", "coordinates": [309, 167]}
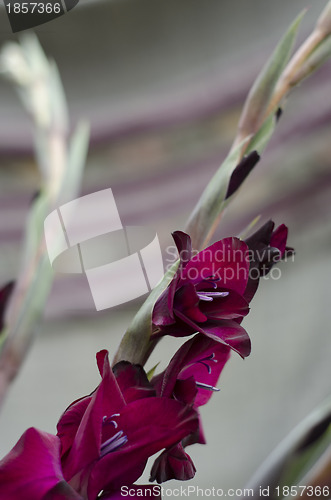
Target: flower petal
{"type": "Point", "coordinates": [185, 390]}
{"type": "Point", "coordinates": [261, 237]}
{"type": "Point", "coordinates": [163, 309]}
{"type": "Point", "coordinates": [278, 238]}
{"type": "Point", "coordinates": [5, 294]}
{"type": "Point", "coordinates": [173, 463]}
{"type": "Point", "coordinates": [200, 358]}
{"type": "Point", "coordinates": [231, 334]}
{"type": "Point", "coordinates": [149, 427]}
{"type": "Point", "coordinates": [32, 468]}
{"type": "Point", "coordinates": [69, 422]}
{"type": "Point", "coordinates": [187, 301]}
{"type": "Point", "coordinates": [132, 381]}
{"type": "Point", "coordinates": [226, 261]}
{"type": "Point", "coordinates": [178, 329]}
{"type": "Point", "coordinates": [267, 246]}
{"type": "Point", "coordinates": [106, 400]}
{"type": "Point", "coordinates": [232, 306]}
{"type": "Point", "coordinates": [62, 491]}
{"type": "Point", "coordinates": [184, 247]}
{"type": "Point", "coordinates": [241, 171]}
{"type": "Point", "coordinates": [205, 363]}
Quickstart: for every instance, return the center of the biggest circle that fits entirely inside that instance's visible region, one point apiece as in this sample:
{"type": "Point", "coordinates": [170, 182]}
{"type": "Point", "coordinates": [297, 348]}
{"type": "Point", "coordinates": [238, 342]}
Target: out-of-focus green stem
{"type": "Point", "coordinates": [291, 76]}
{"type": "Point", "coordinates": [60, 160]}
{"type": "Point", "coordinates": [288, 78]}
{"type": "Point", "coordinates": [319, 477]}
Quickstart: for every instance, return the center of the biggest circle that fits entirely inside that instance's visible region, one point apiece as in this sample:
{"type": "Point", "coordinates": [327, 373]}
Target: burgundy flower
{"type": "Point", "coordinates": [241, 171]}
{"type": "Point", "coordinates": [173, 464]}
{"type": "Point", "coordinates": [191, 377]}
{"type": "Point", "coordinates": [207, 294]}
{"type": "Point", "coordinates": [103, 441]}
{"type": "Point", "coordinates": [267, 246]}
{"type": "Point", "coordinates": [32, 469]}
{"type": "Point", "coordinates": [5, 294]}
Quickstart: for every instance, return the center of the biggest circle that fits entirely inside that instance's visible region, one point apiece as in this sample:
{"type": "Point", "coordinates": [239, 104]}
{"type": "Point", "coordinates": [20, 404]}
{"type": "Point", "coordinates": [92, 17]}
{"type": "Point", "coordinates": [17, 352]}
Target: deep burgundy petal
{"type": "Point", "coordinates": [231, 334]}
{"type": "Point", "coordinates": [226, 260]}
{"type": "Point", "coordinates": [69, 422]}
{"type": "Point", "coordinates": [184, 247]}
{"type": "Point", "coordinates": [279, 238]}
{"type": "Point", "coordinates": [200, 358]}
{"type": "Point", "coordinates": [132, 381]}
{"type": "Point", "coordinates": [150, 427]}
{"type": "Point", "coordinates": [105, 401]}
{"type": "Point", "coordinates": [232, 306]}
{"type": "Point", "coordinates": [205, 364]}
{"type": "Point", "coordinates": [261, 237]}
{"type": "Point", "coordinates": [62, 491]}
{"type": "Point", "coordinates": [187, 302]}
{"type": "Point", "coordinates": [253, 282]}
{"type": "Point", "coordinates": [185, 390]}
{"type": "Point", "coordinates": [163, 309]}
{"type": "Point", "coordinates": [267, 246]}
{"type": "Point", "coordinates": [165, 381]}
{"type": "Point", "coordinates": [241, 171]}
{"type": "Point", "coordinates": [32, 468]}
{"type": "Point", "coordinates": [5, 294]}
{"type": "Point", "coordinates": [197, 437]}
{"type": "Point", "coordinates": [178, 329]}
{"type": "Point", "coordinates": [173, 464]}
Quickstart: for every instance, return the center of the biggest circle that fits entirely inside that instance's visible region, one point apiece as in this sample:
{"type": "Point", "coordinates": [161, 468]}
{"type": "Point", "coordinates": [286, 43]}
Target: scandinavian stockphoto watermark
{"type": "Point", "coordinates": [193, 491]}
{"type": "Point", "coordinates": [235, 263]}
{"type": "Point", "coordinates": [120, 262]}
{"type": "Point", "coordinates": [157, 491]}
{"type": "Point", "coordinates": [27, 14]}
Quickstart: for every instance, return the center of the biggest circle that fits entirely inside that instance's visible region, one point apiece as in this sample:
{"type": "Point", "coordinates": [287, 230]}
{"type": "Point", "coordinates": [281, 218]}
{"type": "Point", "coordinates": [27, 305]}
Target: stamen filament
{"type": "Point", "coordinates": [201, 385]}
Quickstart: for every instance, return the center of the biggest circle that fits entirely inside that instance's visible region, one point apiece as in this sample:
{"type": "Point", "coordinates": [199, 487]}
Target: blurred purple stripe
{"type": "Point", "coordinates": [208, 97]}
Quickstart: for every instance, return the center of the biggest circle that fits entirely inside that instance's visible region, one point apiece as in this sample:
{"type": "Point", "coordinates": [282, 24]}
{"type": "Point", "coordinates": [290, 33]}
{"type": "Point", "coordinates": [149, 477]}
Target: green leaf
{"type": "Point", "coordinates": [304, 460]}
{"type": "Point", "coordinates": [324, 21]}
{"type": "Point", "coordinates": [318, 57]}
{"type": "Point", "coordinates": [260, 94]}
{"type": "Point", "coordinates": [150, 373]}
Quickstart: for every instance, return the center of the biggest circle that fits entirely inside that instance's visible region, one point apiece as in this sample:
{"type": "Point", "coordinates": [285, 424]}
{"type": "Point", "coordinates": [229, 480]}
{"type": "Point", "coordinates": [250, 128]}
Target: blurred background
{"type": "Point", "coordinates": [162, 85]}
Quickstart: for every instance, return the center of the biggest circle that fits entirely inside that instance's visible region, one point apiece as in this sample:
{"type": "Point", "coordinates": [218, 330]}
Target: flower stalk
{"type": "Point", "coordinates": [255, 129]}
{"type": "Point", "coordinates": [294, 72]}
{"type": "Point", "coordinates": [60, 160]}
{"type": "Point", "coordinates": [318, 477]}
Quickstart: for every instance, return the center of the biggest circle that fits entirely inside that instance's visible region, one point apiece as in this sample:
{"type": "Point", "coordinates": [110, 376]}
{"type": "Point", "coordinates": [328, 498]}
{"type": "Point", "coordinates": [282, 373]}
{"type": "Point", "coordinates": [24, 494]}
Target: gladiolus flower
{"type": "Point", "coordinates": [103, 443]}
{"type": "Point", "coordinates": [211, 291]}
{"type": "Point", "coordinates": [191, 377]}
{"type": "Point", "coordinates": [207, 294]}
{"type": "Point", "coordinates": [267, 246]}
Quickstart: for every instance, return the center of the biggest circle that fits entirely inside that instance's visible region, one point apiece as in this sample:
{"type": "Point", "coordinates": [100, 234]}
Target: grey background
{"type": "Point", "coordinates": [162, 84]}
